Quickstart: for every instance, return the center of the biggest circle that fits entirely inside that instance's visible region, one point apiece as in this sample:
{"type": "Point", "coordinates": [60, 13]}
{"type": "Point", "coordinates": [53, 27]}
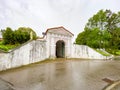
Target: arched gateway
{"type": "Point", "coordinates": [60, 49]}
{"type": "Point", "coordinates": [59, 42]}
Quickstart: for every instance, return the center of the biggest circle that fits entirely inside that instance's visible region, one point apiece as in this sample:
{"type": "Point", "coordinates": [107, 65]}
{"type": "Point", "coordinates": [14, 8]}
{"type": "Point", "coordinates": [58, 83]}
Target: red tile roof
{"type": "Point", "coordinates": [58, 29]}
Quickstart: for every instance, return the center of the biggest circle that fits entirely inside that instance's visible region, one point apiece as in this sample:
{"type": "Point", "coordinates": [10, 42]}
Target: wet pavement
{"type": "Point", "coordinates": [63, 75]}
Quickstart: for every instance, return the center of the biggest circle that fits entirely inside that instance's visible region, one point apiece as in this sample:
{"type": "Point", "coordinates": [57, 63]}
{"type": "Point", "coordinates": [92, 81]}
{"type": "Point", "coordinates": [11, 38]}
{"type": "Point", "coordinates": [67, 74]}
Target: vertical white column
{"type": "Point", "coordinates": [52, 49]}
{"type": "Point", "coordinates": [71, 47]}
{"type": "Point", "coordinates": [48, 45]}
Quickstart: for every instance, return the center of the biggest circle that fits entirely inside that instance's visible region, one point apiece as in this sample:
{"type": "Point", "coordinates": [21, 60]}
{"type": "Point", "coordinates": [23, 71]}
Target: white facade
{"type": "Point", "coordinates": [59, 42]}
{"type": "Point", "coordinates": [85, 52]}
{"type": "Point", "coordinates": [29, 52]}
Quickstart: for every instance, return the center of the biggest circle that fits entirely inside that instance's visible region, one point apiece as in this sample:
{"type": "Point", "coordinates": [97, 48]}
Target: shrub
{"type": "Point", "coordinates": [19, 36]}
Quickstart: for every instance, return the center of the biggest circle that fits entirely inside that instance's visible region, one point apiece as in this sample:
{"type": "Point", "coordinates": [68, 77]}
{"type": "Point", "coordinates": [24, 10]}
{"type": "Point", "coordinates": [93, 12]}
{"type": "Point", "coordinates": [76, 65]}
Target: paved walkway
{"type": "Point", "coordinates": [63, 75]}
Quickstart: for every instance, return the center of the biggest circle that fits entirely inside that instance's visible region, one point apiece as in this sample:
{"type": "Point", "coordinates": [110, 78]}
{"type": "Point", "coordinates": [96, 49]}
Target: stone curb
{"type": "Point", "coordinates": [111, 86]}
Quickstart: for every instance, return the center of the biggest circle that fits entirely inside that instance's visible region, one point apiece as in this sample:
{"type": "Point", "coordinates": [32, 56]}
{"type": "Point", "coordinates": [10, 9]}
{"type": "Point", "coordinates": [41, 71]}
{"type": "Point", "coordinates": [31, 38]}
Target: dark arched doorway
{"type": "Point", "coordinates": [60, 49]}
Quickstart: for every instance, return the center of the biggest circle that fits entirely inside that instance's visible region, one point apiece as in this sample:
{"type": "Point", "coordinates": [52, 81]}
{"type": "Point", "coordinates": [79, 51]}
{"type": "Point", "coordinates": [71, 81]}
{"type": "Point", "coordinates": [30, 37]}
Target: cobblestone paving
{"type": "Point", "coordinates": [64, 75]}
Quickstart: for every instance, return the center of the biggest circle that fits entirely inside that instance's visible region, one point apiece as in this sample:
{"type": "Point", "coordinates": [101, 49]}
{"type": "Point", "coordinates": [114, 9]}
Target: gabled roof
{"type": "Point", "coordinates": [59, 30]}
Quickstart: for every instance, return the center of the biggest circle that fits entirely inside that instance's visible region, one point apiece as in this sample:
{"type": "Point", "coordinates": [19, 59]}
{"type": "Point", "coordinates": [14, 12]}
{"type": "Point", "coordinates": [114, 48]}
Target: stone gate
{"type": "Point", "coordinates": [58, 42]}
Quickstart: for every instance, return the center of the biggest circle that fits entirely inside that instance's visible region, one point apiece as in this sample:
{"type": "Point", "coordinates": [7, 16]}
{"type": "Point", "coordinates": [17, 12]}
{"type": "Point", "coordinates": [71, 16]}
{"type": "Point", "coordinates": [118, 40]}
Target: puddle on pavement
{"type": "Point", "coordinates": [66, 75]}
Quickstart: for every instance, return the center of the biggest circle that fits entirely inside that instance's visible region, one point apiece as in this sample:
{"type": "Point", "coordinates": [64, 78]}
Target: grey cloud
{"type": "Point", "coordinates": [43, 14]}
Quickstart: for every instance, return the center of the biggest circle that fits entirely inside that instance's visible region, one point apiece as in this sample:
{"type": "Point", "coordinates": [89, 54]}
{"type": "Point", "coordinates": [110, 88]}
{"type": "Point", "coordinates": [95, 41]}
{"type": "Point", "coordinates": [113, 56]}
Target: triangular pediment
{"type": "Point", "coordinates": [59, 30]}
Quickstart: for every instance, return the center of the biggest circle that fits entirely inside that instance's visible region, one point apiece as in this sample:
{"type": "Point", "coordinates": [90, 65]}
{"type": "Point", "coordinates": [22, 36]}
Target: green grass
{"type": "Point", "coordinates": [114, 52]}
{"type": "Point", "coordinates": [102, 52]}
{"type": "Point", "coordinates": [6, 47]}
{"type": "Point", "coordinates": [118, 52]}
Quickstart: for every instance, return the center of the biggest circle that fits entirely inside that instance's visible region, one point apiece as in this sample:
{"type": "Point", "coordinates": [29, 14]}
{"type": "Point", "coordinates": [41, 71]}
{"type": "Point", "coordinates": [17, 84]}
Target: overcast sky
{"type": "Point", "coordinates": [42, 14]}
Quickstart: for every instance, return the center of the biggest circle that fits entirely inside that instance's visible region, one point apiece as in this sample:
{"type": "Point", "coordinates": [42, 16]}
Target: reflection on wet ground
{"type": "Point", "coordinates": [64, 75]}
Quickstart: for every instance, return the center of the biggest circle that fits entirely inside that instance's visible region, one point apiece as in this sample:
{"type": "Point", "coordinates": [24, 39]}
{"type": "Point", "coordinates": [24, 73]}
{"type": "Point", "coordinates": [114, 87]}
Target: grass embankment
{"type": "Point", "coordinates": [104, 53]}
{"type": "Point", "coordinates": [6, 47]}
{"type": "Point", "coordinates": [117, 52]}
